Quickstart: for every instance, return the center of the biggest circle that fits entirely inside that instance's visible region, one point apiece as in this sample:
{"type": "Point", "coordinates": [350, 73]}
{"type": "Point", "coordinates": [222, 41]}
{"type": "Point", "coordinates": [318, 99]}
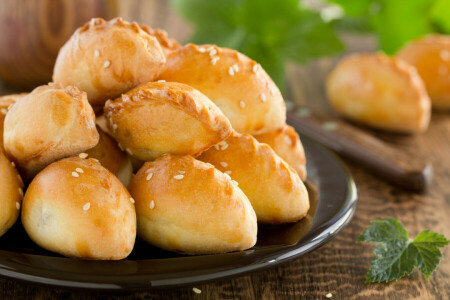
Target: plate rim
{"type": "Point", "coordinates": [327, 232]}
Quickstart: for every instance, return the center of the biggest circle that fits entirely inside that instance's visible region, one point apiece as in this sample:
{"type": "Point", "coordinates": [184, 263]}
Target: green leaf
{"type": "Point", "coordinates": [396, 255]}
{"type": "Point", "coordinates": [271, 32]}
{"type": "Point", "coordinates": [384, 231]}
{"type": "Point", "coordinates": [440, 15]}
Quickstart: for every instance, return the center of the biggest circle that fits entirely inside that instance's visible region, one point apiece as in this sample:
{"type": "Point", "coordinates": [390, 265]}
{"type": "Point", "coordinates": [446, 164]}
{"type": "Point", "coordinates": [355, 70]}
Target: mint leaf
{"type": "Point", "coordinates": [396, 255]}
{"type": "Point", "coordinates": [271, 32]}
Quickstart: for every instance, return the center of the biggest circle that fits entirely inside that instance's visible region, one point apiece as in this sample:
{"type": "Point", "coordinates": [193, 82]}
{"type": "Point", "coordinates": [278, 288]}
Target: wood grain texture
{"type": "Point", "coordinates": [340, 266]}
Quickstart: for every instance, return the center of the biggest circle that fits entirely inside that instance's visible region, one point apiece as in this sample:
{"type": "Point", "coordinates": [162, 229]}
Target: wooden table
{"type": "Point", "coordinates": [340, 266]}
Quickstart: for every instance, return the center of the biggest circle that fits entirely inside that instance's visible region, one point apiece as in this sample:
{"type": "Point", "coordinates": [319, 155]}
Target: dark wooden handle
{"type": "Point", "coordinates": [371, 153]}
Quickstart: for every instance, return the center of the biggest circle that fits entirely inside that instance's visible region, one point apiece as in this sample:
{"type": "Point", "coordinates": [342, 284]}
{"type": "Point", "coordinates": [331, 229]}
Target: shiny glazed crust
{"type": "Point", "coordinates": [165, 117]}
{"type": "Point", "coordinates": [234, 82]}
{"type": "Point", "coordinates": [379, 91]}
{"type": "Point", "coordinates": [11, 193]}
{"type": "Point", "coordinates": [286, 143]}
{"type": "Point", "coordinates": [77, 208]}
{"type": "Point", "coordinates": [167, 44]}
{"type": "Point", "coordinates": [48, 124]}
{"type": "Point", "coordinates": [274, 189]}
{"type": "Point", "coordinates": [188, 206]}
{"type": "Point", "coordinates": [431, 57]}
{"type": "Point", "coordinates": [111, 157]}
{"type": "Point", "coordinates": [105, 59]}
{"type": "Point", "coordinates": [6, 102]}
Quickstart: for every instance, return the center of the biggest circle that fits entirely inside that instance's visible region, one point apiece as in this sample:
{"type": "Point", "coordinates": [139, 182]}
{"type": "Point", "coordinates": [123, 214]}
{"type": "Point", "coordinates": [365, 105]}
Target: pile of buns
{"type": "Point", "coordinates": [202, 127]}
{"type": "Point", "coordinates": [394, 93]}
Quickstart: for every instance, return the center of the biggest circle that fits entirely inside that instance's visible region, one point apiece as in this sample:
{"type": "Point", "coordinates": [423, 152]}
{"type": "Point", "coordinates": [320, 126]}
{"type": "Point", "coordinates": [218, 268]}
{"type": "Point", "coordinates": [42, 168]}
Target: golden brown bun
{"type": "Point", "coordinates": [188, 206]}
{"type": "Point", "coordinates": [11, 193]}
{"type": "Point", "coordinates": [167, 44]}
{"type": "Point", "coordinates": [111, 157]}
{"type": "Point", "coordinates": [274, 189]}
{"type": "Point", "coordinates": [431, 57]}
{"type": "Point", "coordinates": [77, 208]}
{"type": "Point", "coordinates": [165, 117]}
{"type": "Point", "coordinates": [234, 82]}
{"type": "Point", "coordinates": [48, 124]}
{"type": "Point", "coordinates": [379, 91]}
{"type": "Point", "coordinates": [6, 103]}
{"type": "Point", "coordinates": [105, 59]}
{"type": "Point", "coordinates": [286, 143]}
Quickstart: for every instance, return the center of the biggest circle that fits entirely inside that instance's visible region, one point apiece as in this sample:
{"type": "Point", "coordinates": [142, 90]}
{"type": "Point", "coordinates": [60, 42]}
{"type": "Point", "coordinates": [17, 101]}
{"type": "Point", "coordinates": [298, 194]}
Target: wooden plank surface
{"type": "Point", "coordinates": [340, 266]}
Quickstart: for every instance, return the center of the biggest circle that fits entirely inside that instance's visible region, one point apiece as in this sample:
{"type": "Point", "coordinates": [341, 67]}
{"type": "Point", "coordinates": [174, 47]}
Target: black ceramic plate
{"type": "Point", "coordinates": [333, 202]}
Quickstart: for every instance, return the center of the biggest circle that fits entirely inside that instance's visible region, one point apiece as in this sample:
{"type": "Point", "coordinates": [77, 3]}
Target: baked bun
{"type": "Point", "coordinates": [286, 143]}
{"type": "Point", "coordinates": [105, 59]}
{"type": "Point", "coordinates": [234, 82]}
{"type": "Point", "coordinates": [274, 189]}
{"type": "Point", "coordinates": [167, 44]}
{"type": "Point", "coordinates": [381, 92]}
{"type": "Point", "coordinates": [111, 157]}
{"type": "Point", "coordinates": [11, 193]}
{"type": "Point", "coordinates": [431, 57]}
{"type": "Point", "coordinates": [165, 117]}
{"type": "Point", "coordinates": [188, 206]}
{"type": "Point", "coordinates": [48, 124]}
{"type": "Point", "coordinates": [6, 102]}
{"type": "Point", "coordinates": [77, 208]}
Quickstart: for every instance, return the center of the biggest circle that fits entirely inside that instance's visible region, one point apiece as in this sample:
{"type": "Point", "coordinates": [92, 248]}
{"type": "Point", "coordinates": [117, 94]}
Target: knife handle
{"type": "Point", "coordinates": [377, 157]}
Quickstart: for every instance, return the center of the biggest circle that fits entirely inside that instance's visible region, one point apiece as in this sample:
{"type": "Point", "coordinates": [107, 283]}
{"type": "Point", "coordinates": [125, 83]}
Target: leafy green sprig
{"type": "Point", "coordinates": [396, 255]}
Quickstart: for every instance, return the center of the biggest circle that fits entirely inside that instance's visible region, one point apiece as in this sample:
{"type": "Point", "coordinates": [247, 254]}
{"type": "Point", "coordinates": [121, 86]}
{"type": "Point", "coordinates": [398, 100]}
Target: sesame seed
{"type": "Point", "coordinates": [21, 192]}
{"type": "Point", "coordinates": [149, 176]}
{"type": "Point", "coordinates": [114, 126]}
{"type": "Point", "coordinates": [13, 164]}
{"type": "Point", "coordinates": [214, 60]}
{"type": "Point", "coordinates": [217, 147]}
{"type": "Point", "coordinates": [131, 200]}
{"type": "Point", "coordinates": [227, 172]}
{"type": "Point", "coordinates": [201, 50]}
{"type": "Point", "coordinates": [231, 71]}
{"type": "Point", "coordinates": [4, 111]}
{"type": "Point", "coordinates": [161, 81]}
{"type": "Point", "coordinates": [75, 174]}
{"type": "Point", "coordinates": [235, 68]}
{"type": "Point", "coordinates": [242, 104]}
{"type": "Point", "coordinates": [79, 170]}
{"type": "Point", "coordinates": [212, 52]}
{"type": "Point", "coordinates": [152, 204]}
{"type": "Point", "coordinates": [120, 146]}
{"type": "Point", "coordinates": [329, 295]}
{"type": "Point", "coordinates": [10, 106]}
{"type": "Point", "coordinates": [96, 53]}
{"type": "Point", "coordinates": [263, 97]}
{"type": "Point", "coordinates": [87, 206]}
{"type": "Point", "coordinates": [96, 160]}
{"type": "Point", "coordinates": [129, 151]}
{"type": "Point", "coordinates": [20, 178]}
{"type": "Point", "coordinates": [178, 177]}
{"type": "Point", "coordinates": [227, 176]}
{"type": "Point", "coordinates": [106, 64]}
{"type": "Point", "coordinates": [83, 155]}
{"type": "Point", "coordinates": [223, 145]}
{"type": "Point", "coordinates": [235, 182]}
{"type": "Point", "coordinates": [287, 140]}
{"type": "Point", "coordinates": [255, 68]}
{"type": "Point", "coordinates": [223, 164]}
{"type": "Point", "coordinates": [17, 205]}
{"type": "Point", "coordinates": [445, 55]}
{"type": "Point", "coordinates": [135, 98]}
{"type": "Point", "coordinates": [197, 291]}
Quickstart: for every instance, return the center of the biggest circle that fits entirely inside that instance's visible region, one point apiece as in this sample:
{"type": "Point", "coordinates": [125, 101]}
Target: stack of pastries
{"type": "Point", "coordinates": [185, 146]}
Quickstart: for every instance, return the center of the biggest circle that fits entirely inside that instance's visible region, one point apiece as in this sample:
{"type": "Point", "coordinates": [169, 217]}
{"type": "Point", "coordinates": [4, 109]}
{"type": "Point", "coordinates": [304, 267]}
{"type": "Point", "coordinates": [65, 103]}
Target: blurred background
{"type": "Point", "coordinates": [297, 42]}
